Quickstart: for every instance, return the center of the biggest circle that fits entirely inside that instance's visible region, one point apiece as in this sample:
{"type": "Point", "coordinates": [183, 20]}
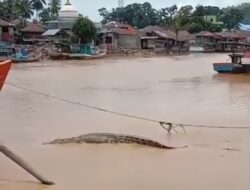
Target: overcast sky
{"type": "Point", "coordinates": [90, 7]}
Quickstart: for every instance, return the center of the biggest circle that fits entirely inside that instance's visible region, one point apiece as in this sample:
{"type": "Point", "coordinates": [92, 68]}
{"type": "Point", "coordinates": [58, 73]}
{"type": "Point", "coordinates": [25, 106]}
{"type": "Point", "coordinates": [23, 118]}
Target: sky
{"type": "Point", "coordinates": [90, 7]}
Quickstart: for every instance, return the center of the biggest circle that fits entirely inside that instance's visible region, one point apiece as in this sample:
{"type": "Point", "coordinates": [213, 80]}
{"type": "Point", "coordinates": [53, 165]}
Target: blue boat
{"type": "Point", "coordinates": [234, 67]}
{"type": "Point", "coordinates": [6, 52]}
{"type": "Point", "coordinates": [77, 51]}
{"type": "Point", "coordinates": [17, 55]}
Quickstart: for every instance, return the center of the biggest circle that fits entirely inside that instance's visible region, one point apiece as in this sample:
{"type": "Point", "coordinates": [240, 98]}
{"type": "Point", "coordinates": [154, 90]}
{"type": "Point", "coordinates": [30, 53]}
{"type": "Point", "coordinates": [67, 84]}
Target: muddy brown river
{"type": "Point", "coordinates": [182, 89]}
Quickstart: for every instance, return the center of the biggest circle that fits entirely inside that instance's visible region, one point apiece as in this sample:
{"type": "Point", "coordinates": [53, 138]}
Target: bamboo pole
{"type": "Point", "coordinates": [19, 161]}
{"type": "Point", "coordinates": [4, 69]}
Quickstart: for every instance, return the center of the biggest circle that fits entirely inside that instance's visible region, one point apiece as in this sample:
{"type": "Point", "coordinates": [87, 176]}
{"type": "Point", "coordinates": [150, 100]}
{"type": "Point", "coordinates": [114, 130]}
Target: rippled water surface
{"type": "Point", "coordinates": [182, 89]}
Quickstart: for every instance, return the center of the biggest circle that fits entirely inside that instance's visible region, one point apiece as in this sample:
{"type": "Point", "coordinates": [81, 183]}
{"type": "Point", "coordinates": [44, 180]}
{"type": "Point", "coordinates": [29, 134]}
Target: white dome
{"type": "Point", "coordinates": [68, 12]}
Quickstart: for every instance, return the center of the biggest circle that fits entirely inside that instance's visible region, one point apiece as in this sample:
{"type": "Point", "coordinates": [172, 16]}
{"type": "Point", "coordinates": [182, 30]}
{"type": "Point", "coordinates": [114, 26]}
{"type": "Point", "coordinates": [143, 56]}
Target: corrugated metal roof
{"type": "Point", "coordinates": [4, 23]}
{"type": "Point", "coordinates": [244, 26]}
{"type": "Point", "coordinates": [51, 32]}
{"type": "Point", "coordinates": [166, 33]}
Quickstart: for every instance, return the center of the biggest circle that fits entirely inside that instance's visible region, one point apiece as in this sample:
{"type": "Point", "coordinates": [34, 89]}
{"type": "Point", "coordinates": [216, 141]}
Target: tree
{"type": "Point", "coordinates": [171, 11]}
{"type": "Point", "coordinates": [105, 14]}
{"type": "Point", "coordinates": [24, 8]}
{"type": "Point", "coordinates": [38, 5]}
{"type": "Point", "coordinates": [45, 15]}
{"type": "Point", "coordinates": [55, 6]}
{"type": "Point", "coordinates": [136, 14]}
{"type": "Point", "coordinates": [185, 11]}
{"type": "Point", "coordinates": [231, 16]}
{"type": "Point", "coordinates": [207, 10]}
{"type": "Point", "coordinates": [8, 9]}
{"type": "Point", "coordinates": [245, 9]}
{"type": "Point", "coordinates": [84, 29]}
{"type": "Point", "coordinates": [179, 22]}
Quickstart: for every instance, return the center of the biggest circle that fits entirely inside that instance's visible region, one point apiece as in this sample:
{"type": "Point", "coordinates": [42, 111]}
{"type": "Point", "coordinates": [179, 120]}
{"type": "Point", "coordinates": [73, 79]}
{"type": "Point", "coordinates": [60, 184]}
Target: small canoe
{"type": "Point", "coordinates": [58, 56]}
{"type": "Point", "coordinates": [25, 60]}
{"type": "Point", "coordinates": [229, 68]}
{"type": "Point", "coordinates": [4, 70]}
{"type": "Point", "coordinates": [234, 67]}
{"type": "Point", "coordinates": [87, 56]}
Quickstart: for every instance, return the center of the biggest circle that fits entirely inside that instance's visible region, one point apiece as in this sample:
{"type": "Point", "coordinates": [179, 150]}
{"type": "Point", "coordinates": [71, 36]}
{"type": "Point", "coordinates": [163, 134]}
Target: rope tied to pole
{"type": "Point", "coordinates": [168, 126]}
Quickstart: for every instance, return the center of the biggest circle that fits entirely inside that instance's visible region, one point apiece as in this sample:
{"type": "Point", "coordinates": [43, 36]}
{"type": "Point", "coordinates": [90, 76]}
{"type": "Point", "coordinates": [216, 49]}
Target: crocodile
{"type": "Point", "coordinates": [100, 138]}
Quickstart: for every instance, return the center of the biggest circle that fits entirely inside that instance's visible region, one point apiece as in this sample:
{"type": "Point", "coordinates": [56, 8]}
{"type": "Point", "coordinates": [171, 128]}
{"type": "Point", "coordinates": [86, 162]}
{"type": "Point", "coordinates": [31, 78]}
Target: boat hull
{"type": "Point", "coordinates": [231, 68]}
{"type": "Point", "coordinates": [15, 60]}
{"type": "Point", "coordinates": [59, 56]}
{"type": "Point", "coordinates": [87, 56]}
{"type": "Point", "coordinates": [4, 70]}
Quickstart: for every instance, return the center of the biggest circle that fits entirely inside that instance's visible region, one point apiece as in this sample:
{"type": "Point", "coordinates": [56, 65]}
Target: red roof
{"type": "Point", "coordinates": [232, 35]}
{"type": "Point", "coordinates": [208, 34]}
{"type": "Point", "coordinates": [32, 27]}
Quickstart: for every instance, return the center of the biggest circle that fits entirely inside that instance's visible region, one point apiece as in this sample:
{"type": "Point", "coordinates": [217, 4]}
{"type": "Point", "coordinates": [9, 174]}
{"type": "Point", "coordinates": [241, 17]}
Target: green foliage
{"type": "Point", "coordinates": [138, 15]}
{"type": "Point", "coordinates": [245, 10]}
{"type": "Point", "coordinates": [24, 8]}
{"type": "Point", "coordinates": [206, 10]}
{"type": "Point", "coordinates": [54, 7]}
{"type": "Point", "coordinates": [38, 4]}
{"type": "Point", "coordinates": [20, 8]}
{"type": "Point", "coordinates": [16, 9]}
{"type": "Point", "coordinates": [231, 16]}
{"type": "Point", "coordinates": [84, 29]}
{"type": "Point", "coordinates": [51, 12]}
{"type": "Point", "coordinates": [45, 15]}
{"type": "Point", "coordinates": [142, 15]}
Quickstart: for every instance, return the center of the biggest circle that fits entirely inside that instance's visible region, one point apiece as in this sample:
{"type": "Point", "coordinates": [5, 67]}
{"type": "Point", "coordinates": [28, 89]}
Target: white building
{"type": "Point", "coordinates": [66, 18]}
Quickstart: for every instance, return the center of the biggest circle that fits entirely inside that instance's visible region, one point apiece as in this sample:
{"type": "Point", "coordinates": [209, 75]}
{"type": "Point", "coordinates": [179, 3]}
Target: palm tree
{"type": "Point", "coordinates": [54, 6]}
{"type": "Point", "coordinates": [38, 5]}
{"type": "Point", "coordinates": [177, 25]}
{"type": "Point", "coordinates": [25, 8]}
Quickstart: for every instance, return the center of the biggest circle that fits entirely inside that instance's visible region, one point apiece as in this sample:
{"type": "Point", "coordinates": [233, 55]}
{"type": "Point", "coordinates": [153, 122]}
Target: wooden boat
{"type": "Point", "coordinates": [17, 55]}
{"type": "Point", "coordinates": [235, 66]}
{"type": "Point", "coordinates": [4, 70]}
{"type": "Point", "coordinates": [6, 51]}
{"type": "Point", "coordinates": [26, 59]}
{"type": "Point", "coordinates": [58, 56]}
{"type": "Point", "coordinates": [76, 51]}
{"type": "Point", "coordinates": [87, 56]}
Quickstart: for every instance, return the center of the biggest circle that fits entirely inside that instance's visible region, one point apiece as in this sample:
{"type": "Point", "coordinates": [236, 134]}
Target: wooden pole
{"type": "Point", "coordinates": [4, 69]}
{"type": "Point", "coordinates": [19, 161]}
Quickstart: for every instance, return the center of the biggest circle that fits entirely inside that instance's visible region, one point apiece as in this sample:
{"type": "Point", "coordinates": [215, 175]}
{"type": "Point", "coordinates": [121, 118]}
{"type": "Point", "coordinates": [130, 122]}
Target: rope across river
{"type": "Point", "coordinates": [164, 124]}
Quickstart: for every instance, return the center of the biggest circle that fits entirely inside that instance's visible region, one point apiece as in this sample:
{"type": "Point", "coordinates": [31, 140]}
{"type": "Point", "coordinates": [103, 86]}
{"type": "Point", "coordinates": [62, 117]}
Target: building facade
{"type": "Point", "coordinates": [6, 31]}
{"type": "Point", "coordinates": [116, 35]}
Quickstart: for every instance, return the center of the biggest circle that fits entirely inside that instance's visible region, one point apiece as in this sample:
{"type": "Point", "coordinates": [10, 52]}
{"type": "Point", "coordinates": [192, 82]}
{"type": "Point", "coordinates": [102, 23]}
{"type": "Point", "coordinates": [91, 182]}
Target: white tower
{"type": "Point", "coordinates": [120, 3]}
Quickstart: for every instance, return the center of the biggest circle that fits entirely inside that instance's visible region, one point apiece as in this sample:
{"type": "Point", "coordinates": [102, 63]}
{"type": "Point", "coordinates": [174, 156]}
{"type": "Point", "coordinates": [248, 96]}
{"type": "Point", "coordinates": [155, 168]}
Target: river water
{"type": "Point", "coordinates": [182, 89]}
